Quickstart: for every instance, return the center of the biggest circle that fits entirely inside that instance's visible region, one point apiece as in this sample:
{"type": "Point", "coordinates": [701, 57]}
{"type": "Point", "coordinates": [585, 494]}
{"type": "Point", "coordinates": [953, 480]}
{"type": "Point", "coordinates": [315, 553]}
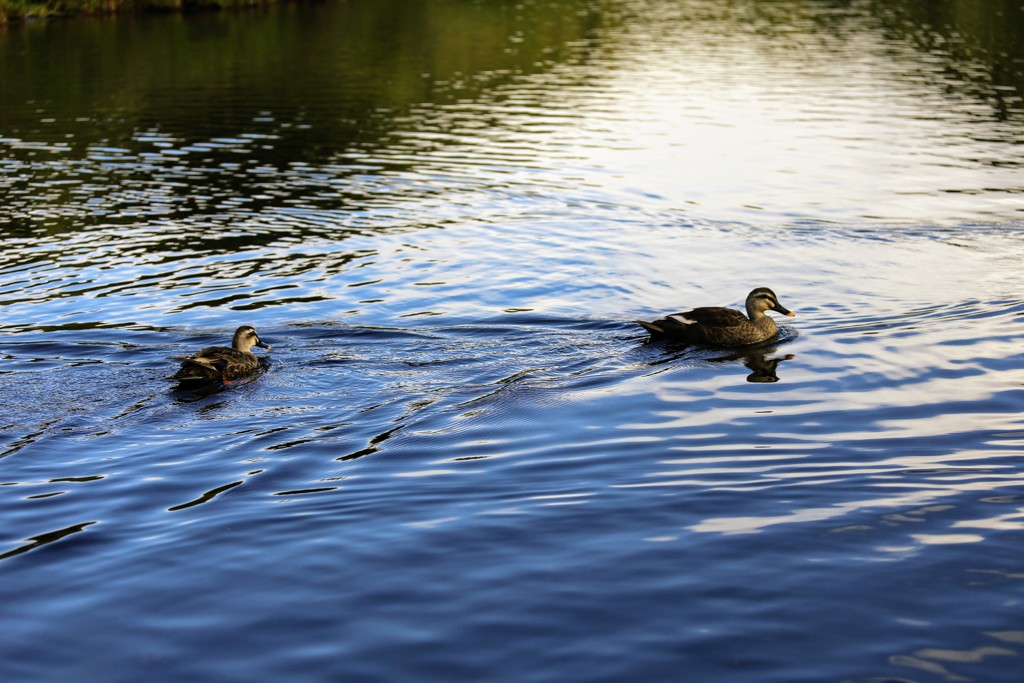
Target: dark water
{"type": "Point", "coordinates": [464, 463]}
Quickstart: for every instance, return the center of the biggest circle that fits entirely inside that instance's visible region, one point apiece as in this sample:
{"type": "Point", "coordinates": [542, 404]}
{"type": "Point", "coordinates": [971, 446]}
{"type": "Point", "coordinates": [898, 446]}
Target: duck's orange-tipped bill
{"type": "Point", "coordinates": [783, 310]}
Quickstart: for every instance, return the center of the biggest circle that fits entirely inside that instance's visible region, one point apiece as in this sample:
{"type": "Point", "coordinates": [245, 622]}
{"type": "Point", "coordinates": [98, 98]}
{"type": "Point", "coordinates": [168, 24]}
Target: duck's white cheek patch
{"type": "Point", "coordinates": [682, 319]}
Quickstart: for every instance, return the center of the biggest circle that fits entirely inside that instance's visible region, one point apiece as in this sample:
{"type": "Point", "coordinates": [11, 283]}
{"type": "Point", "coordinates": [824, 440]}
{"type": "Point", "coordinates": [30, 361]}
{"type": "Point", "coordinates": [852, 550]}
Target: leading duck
{"type": "Point", "coordinates": [716, 326]}
{"type": "Point", "coordinates": [220, 363]}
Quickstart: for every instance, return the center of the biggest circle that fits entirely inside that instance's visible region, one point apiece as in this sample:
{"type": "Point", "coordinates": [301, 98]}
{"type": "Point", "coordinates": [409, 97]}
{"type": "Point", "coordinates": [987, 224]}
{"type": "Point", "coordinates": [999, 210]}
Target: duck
{"type": "Point", "coordinates": [718, 326]}
{"type": "Point", "coordinates": [221, 363]}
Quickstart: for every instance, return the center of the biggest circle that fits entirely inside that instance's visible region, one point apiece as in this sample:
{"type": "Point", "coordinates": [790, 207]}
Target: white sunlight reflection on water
{"type": "Point", "coordinates": [750, 525]}
{"type": "Point", "coordinates": [750, 131]}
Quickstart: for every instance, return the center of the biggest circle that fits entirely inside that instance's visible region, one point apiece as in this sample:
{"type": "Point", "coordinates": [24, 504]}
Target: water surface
{"type": "Point", "coordinates": [464, 462]}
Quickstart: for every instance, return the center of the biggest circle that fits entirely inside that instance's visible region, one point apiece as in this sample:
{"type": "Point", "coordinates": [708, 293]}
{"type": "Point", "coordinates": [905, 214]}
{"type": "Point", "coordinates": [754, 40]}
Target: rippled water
{"type": "Point", "coordinates": [464, 462]}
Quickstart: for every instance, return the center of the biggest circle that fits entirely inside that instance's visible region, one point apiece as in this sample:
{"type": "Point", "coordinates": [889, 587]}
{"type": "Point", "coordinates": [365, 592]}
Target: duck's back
{"type": "Point", "coordinates": [713, 325]}
{"type": "Point", "coordinates": [713, 316]}
{"type": "Point", "coordinates": [216, 363]}
{"type": "Point", "coordinates": [692, 325]}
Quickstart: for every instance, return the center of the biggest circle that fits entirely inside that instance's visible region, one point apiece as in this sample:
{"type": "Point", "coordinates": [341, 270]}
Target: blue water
{"type": "Point", "coordinates": [464, 462]}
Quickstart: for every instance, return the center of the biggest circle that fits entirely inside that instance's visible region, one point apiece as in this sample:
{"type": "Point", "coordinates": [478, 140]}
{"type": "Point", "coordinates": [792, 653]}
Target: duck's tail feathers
{"type": "Point", "coordinates": [650, 327]}
{"type": "Point", "coordinates": [189, 379]}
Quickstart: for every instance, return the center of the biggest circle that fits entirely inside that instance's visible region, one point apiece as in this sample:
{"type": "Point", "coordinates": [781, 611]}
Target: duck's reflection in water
{"type": "Point", "coordinates": [760, 359]}
{"type": "Point", "coordinates": [765, 368]}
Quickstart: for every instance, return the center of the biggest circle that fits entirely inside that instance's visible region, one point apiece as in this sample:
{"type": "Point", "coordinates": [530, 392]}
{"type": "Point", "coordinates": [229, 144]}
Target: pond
{"type": "Point", "coordinates": [464, 461]}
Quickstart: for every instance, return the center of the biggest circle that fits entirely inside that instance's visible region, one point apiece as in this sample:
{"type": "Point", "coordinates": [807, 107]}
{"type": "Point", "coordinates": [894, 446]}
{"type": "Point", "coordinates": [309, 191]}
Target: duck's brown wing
{"type": "Point", "coordinates": [209, 363]}
{"type": "Point", "coordinates": [693, 324]}
{"type": "Point", "coordinates": [711, 316]}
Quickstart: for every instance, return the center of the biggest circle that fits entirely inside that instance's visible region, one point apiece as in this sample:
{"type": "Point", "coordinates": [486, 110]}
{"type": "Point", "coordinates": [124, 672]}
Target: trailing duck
{"type": "Point", "coordinates": [220, 363]}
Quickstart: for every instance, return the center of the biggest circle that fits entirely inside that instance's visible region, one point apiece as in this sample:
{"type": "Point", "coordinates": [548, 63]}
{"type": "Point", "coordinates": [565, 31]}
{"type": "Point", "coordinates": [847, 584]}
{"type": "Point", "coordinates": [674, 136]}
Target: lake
{"type": "Point", "coordinates": [464, 461]}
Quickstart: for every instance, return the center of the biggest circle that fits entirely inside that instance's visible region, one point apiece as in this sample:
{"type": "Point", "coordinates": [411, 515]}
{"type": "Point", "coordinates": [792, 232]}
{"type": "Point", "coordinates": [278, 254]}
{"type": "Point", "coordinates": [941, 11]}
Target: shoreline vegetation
{"type": "Point", "coordinates": [15, 11]}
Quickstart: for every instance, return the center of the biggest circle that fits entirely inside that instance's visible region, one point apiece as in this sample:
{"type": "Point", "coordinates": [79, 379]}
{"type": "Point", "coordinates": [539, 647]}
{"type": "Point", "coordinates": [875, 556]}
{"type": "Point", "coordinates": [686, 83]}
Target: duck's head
{"type": "Point", "coordinates": [763, 299]}
{"type": "Point", "coordinates": [245, 338]}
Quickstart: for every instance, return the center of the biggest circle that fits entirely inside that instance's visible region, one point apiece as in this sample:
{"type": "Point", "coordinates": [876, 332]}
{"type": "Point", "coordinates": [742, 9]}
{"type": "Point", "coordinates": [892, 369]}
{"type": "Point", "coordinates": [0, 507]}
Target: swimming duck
{"type": "Point", "coordinates": [220, 363]}
{"type": "Point", "coordinates": [716, 326]}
